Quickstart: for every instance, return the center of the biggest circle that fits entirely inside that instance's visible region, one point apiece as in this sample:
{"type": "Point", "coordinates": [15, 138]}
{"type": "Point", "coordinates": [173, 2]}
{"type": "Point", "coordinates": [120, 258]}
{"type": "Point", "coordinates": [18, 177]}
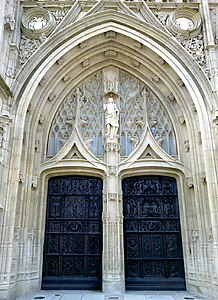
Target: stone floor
{"type": "Point", "coordinates": [96, 295]}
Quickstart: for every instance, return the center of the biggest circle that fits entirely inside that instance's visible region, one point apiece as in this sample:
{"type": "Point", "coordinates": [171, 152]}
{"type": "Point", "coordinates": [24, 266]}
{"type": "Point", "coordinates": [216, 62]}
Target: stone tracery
{"type": "Point", "coordinates": [138, 106]}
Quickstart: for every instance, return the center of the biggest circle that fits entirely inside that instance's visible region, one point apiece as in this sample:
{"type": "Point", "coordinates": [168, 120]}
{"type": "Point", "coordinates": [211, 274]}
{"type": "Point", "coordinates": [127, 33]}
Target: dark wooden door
{"type": "Point", "coordinates": [152, 235]}
{"type": "Point", "coordinates": [73, 234]}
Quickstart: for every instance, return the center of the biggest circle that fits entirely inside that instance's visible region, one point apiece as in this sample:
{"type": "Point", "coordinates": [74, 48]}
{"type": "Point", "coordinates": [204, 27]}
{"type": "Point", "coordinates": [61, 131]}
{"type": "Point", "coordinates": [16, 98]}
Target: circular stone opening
{"type": "Point", "coordinates": [184, 23]}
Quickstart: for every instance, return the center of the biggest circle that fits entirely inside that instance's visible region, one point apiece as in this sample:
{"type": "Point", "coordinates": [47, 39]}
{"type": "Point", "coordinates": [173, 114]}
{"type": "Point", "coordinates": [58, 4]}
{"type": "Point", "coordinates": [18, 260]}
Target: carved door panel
{"type": "Point", "coordinates": [152, 235]}
{"type": "Point", "coordinates": [73, 234]}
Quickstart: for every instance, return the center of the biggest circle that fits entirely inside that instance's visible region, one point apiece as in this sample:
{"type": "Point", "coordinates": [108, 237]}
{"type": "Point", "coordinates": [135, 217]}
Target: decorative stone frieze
{"type": "Point", "coordinates": [21, 177]}
{"type": "Point", "coordinates": [186, 146]}
{"type": "Point", "coordinates": [111, 146]}
{"type": "Point", "coordinates": [190, 182]}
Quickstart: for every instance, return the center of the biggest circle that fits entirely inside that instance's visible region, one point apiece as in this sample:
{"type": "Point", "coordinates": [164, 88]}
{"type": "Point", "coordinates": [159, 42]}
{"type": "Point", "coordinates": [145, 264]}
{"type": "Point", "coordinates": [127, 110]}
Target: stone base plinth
{"type": "Point", "coordinates": [113, 287]}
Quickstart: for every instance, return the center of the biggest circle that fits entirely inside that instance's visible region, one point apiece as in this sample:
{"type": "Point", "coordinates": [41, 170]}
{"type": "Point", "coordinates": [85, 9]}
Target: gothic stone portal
{"type": "Point", "coordinates": [152, 235]}
{"type": "Point", "coordinates": [73, 234]}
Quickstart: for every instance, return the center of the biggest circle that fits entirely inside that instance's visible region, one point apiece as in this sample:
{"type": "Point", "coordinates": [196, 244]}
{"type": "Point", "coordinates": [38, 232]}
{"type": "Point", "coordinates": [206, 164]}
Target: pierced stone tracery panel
{"type": "Point", "coordinates": [138, 106]}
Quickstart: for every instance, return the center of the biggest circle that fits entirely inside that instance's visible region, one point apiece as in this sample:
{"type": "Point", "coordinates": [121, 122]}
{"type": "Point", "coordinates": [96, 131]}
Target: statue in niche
{"type": "Point", "coordinates": [111, 117]}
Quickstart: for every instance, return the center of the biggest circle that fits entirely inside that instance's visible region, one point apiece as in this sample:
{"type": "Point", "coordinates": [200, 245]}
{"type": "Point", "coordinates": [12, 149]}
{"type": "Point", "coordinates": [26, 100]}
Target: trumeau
{"type": "Point", "coordinates": [60, 63]}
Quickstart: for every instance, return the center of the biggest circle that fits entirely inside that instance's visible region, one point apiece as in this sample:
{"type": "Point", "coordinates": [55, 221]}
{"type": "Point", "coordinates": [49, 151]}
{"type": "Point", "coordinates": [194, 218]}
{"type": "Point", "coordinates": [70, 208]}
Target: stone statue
{"type": "Point", "coordinates": [111, 117]}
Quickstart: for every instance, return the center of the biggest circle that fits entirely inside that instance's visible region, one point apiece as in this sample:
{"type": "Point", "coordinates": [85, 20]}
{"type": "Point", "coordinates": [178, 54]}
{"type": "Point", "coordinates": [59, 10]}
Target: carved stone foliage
{"type": "Point", "coordinates": [28, 46]}
{"type": "Point", "coordinates": [185, 25]}
{"type": "Point", "coordinates": [195, 46]}
{"type": "Point", "coordinates": [37, 24]}
{"type": "Point", "coordinates": [137, 104]}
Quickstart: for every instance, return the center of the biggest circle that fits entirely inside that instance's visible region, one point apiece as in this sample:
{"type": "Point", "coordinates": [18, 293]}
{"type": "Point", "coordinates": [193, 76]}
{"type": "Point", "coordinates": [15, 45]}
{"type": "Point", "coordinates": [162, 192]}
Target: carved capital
{"type": "Point", "coordinates": [31, 234]}
{"type": "Point", "coordinates": [210, 235]}
{"type": "Point", "coordinates": [16, 233]}
{"type": "Point", "coordinates": [37, 145]}
{"type": "Point", "coordinates": [108, 147]}
{"type": "Point", "coordinates": [186, 145]}
{"type": "Point", "coordinates": [203, 176]}
{"type": "Point", "coordinates": [112, 170]}
{"type": "Point", "coordinates": [41, 119]}
{"type": "Point", "coordinates": [34, 182]}
{"type": "Point", "coordinates": [21, 177]}
{"type": "Point", "coordinates": [195, 235]}
{"type": "Point", "coordinates": [9, 21]}
{"type": "Point", "coordinates": [190, 182]}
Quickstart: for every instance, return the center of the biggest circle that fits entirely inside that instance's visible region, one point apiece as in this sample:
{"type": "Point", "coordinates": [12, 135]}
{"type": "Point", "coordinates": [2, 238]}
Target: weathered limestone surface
{"type": "Point", "coordinates": [60, 62]}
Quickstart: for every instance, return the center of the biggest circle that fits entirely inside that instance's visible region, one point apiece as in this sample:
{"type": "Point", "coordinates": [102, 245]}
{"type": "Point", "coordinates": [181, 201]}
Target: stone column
{"type": "Point", "coordinates": [113, 257]}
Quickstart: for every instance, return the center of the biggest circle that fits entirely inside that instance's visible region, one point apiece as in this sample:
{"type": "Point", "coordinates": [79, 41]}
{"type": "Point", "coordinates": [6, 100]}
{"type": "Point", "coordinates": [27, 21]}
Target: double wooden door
{"type": "Point", "coordinates": [73, 234]}
{"type": "Point", "coordinates": [152, 235]}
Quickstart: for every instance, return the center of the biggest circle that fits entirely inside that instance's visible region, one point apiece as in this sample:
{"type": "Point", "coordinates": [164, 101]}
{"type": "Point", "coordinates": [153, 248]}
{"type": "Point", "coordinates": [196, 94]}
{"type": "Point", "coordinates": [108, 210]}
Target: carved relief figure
{"type": "Point", "coordinates": [111, 117]}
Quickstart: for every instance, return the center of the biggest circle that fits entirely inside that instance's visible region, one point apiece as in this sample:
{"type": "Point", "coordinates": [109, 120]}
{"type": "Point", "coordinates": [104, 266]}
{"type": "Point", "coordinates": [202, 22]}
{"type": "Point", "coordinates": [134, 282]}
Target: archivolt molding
{"type": "Point", "coordinates": [150, 37]}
